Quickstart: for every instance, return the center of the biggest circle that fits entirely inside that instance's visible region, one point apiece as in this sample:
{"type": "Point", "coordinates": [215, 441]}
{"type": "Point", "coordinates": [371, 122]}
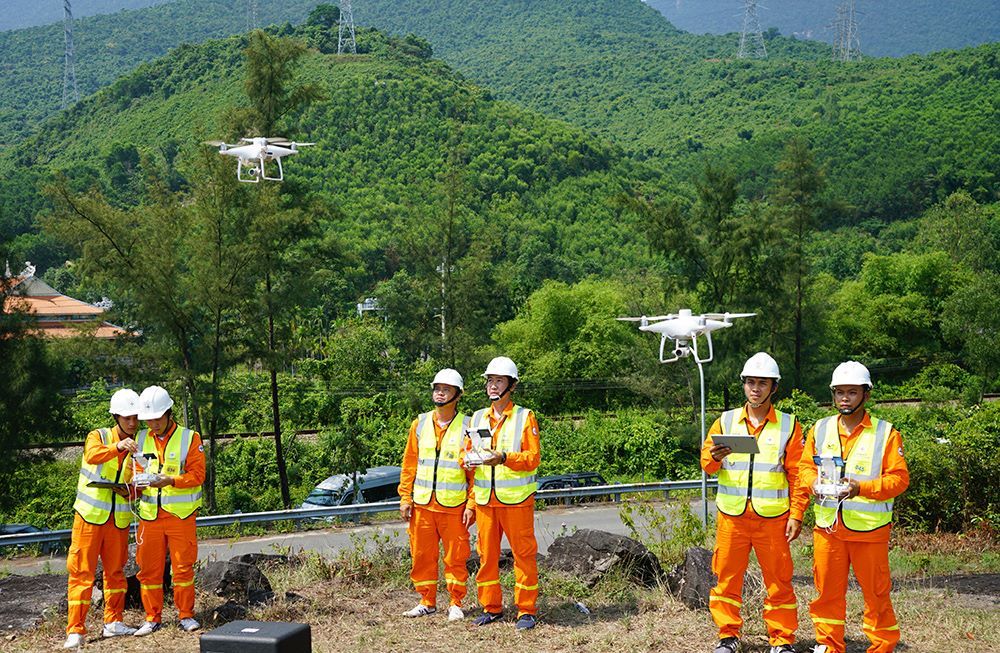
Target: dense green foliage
{"type": "Point", "coordinates": [891, 28]}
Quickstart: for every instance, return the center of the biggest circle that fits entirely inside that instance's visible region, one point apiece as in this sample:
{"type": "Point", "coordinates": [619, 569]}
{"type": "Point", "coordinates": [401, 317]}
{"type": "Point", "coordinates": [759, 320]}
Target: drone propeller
{"type": "Point", "coordinates": [647, 318]}
{"type": "Point", "coordinates": [214, 143]}
{"type": "Point", "coordinates": [726, 316]}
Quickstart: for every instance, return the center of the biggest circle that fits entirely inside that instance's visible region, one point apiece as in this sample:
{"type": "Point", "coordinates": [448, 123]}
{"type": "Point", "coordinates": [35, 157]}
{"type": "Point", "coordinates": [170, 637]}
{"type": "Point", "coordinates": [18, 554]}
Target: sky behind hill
{"type": "Point", "coordinates": [891, 28]}
{"type": "Point", "coordinates": [28, 13]}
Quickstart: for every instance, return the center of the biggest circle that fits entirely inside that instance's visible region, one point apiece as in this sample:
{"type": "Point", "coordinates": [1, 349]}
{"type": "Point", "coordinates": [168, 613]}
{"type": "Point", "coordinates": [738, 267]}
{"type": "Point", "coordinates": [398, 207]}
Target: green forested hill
{"type": "Point", "coordinates": [888, 28]}
{"type": "Point", "coordinates": [896, 135]}
{"type": "Point", "coordinates": [536, 196]}
{"type": "Point", "coordinates": [27, 13]}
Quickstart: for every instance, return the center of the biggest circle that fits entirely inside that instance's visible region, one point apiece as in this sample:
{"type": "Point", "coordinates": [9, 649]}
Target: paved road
{"type": "Point", "coordinates": [549, 524]}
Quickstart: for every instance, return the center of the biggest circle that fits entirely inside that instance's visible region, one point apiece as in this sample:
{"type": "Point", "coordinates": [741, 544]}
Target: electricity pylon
{"type": "Point", "coordinates": [71, 93]}
{"type": "Point", "coordinates": [345, 31]}
{"type": "Point", "coordinates": [751, 37]}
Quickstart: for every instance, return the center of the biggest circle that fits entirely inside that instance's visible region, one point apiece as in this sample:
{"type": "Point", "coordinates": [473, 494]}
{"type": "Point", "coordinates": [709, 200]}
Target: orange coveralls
{"type": "Point", "coordinates": [517, 522]}
{"type": "Point", "coordinates": [429, 525]}
{"type": "Point", "coordinates": [91, 541]}
{"type": "Point", "coordinates": [867, 552]}
{"type": "Point", "coordinates": [735, 536]}
{"type": "Point", "coordinates": [169, 532]}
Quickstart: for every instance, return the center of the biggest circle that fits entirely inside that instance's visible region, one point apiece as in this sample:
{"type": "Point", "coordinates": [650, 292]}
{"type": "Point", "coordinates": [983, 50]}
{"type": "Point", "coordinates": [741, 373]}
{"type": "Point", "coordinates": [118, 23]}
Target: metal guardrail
{"type": "Point", "coordinates": [296, 514]}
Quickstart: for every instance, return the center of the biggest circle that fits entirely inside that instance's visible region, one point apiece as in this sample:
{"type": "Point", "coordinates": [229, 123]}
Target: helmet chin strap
{"type": "Point", "coordinates": [502, 394]}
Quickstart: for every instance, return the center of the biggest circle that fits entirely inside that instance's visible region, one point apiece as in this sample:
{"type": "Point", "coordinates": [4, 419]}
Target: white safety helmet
{"type": "Point", "coordinates": [450, 377]}
{"type": "Point", "coordinates": [154, 402]}
{"type": "Point", "coordinates": [761, 365]}
{"type": "Point", "coordinates": [125, 402]}
{"type": "Point", "coordinates": [501, 366]}
{"type": "Point", "coordinates": [851, 373]}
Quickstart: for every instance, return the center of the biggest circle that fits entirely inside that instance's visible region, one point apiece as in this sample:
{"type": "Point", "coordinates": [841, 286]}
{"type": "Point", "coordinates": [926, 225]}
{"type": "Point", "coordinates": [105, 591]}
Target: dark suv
{"type": "Point", "coordinates": [574, 480]}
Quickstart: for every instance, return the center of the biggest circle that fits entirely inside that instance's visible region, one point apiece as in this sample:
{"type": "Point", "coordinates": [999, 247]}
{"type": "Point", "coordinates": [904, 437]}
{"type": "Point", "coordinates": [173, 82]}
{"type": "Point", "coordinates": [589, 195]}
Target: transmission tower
{"type": "Point", "coordinates": [251, 15]}
{"type": "Point", "coordinates": [847, 42]}
{"type": "Point", "coordinates": [71, 93]}
{"type": "Point", "coordinates": [751, 38]}
{"type": "Point", "coordinates": [345, 32]}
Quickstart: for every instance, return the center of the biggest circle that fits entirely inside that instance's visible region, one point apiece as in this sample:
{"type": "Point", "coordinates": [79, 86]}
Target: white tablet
{"type": "Point", "coordinates": [738, 443]}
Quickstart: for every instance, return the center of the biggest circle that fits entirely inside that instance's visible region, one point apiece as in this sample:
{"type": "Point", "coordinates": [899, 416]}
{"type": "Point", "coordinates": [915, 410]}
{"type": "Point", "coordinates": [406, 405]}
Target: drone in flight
{"type": "Point", "coordinates": [684, 328]}
{"type": "Point", "coordinates": [251, 159]}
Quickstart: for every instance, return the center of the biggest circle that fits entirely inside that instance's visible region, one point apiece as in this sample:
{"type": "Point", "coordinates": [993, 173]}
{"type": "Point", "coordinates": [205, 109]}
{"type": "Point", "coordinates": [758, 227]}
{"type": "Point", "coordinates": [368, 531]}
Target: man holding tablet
{"type": "Point", "coordinates": [760, 506]}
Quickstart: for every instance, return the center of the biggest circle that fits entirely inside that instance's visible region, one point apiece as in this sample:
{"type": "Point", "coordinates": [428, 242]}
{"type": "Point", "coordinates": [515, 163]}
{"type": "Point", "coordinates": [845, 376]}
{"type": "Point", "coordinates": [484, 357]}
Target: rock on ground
{"type": "Point", "coordinates": [591, 554]}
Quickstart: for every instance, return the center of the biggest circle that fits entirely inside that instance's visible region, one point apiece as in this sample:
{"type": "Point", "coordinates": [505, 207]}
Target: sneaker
{"type": "Point", "coordinates": [189, 625]}
{"type": "Point", "coordinates": [455, 613]}
{"type": "Point", "coordinates": [526, 622]}
{"type": "Point", "coordinates": [117, 628]}
{"type": "Point", "coordinates": [487, 618]}
{"type": "Point", "coordinates": [728, 645]}
{"type": "Point", "coordinates": [420, 610]}
{"type": "Point", "coordinates": [782, 648]}
{"type": "Point", "coordinates": [148, 628]}
{"type": "Point", "coordinates": [73, 640]}
{"type": "Point", "coordinates": [821, 648]}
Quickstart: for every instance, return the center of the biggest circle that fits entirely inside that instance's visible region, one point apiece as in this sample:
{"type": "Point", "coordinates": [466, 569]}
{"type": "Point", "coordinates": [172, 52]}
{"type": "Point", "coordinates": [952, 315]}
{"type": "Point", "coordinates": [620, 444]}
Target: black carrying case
{"type": "Point", "coordinates": [258, 637]}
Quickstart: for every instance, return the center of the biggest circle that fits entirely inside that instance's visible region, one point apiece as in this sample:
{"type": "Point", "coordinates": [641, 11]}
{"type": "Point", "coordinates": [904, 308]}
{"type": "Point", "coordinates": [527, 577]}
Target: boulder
{"type": "Point", "coordinates": [506, 561]}
{"type": "Point", "coordinates": [243, 582]}
{"type": "Point", "coordinates": [692, 580]}
{"type": "Point", "coordinates": [229, 611]}
{"type": "Point", "coordinates": [264, 559]}
{"type": "Point", "coordinates": [26, 601]}
{"type": "Point", "coordinates": [590, 554]}
{"type": "Point", "coordinates": [133, 599]}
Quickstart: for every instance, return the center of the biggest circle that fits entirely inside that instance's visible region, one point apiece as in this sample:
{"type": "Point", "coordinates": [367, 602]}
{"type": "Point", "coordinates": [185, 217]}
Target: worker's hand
{"type": "Point", "coordinates": [405, 511]}
{"type": "Point", "coordinates": [468, 517]}
{"type": "Point", "coordinates": [792, 529]}
{"type": "Point", "coordinates": [162, 481]}
{"type": "Point", "coordinates": [719, 451]}
{"type": "Point", "coordinates": [493, 459]}
{"type": "Point", "coordinates": [129, 445]}
{"type": "Point", "coordinates": [854, 488]}
{"type": "Point", "coordinates": [122, 492]}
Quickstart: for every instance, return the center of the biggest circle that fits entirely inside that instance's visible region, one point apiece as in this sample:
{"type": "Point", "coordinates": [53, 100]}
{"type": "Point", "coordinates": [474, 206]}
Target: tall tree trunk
{"type": "Point", "coordinates": [286, 498]}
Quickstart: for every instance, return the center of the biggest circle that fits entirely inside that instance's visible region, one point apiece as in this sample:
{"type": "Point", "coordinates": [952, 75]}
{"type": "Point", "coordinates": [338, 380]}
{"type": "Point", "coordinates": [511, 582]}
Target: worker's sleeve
{"type": "Point", "coordinates": [799, 500]}
{"type": "Point", "coordinates": [96, 452]}
{"type": "Point", "coordinates": [530, 455]}
{"type": "Point", "coordinates": [807, 467]}
{"type": "Point", "coordinates": [709, 464]}
{"type": "Point", "coordinates": [408, 473]}
{"type": "Point", "coordinates": [194, 465]}
{"type": "Point", "coordinates": [895, 476]}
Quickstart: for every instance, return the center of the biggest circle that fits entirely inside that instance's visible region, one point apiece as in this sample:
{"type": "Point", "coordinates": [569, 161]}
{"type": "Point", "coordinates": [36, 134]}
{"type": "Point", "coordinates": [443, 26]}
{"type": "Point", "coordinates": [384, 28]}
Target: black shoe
{"type": "Point", "coordinates": [728, 645]}
{"type": "Point", "coordinates": [487, 618]}
{"type": "Point", "coordinates": [526, 622]}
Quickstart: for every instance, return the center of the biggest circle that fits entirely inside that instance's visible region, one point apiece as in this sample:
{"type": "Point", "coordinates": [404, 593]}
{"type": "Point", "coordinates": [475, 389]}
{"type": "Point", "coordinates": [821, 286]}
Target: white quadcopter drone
{"type": "Point", "coordinates": [684, 328]}
{"type": "Point", "coordinates": [254, 156]}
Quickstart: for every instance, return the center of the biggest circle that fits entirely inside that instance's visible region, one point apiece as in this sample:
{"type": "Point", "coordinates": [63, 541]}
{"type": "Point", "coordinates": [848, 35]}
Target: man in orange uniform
{"type": "Point", "coordinates": [760, 506]}
{"type": "Point", "coordinates": [101, 522]}
{"type": "Point", "coordinates": [854, 516]}
{"type": "Point", "coordinates": [167, 510]}
{"type": "Point", "coordinates": [433, 491]}
{"type": "Point", "coordinates": [504, 497]}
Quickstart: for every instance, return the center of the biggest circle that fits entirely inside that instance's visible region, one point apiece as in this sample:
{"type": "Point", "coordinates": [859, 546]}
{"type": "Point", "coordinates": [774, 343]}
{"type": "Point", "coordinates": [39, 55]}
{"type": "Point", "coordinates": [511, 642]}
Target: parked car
{"type": "Point", "coordinates": [20, 529]}
{"type": "Point", "coordinates": [375, 485]}
{"type": "Point", "coordinates": [574, 480]}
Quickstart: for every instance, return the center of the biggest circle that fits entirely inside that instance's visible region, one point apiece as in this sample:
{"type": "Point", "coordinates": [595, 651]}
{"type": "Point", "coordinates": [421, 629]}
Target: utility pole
{"type": "Point", "coordinates": [71, 93]}
{"type": "Point", "coordinates": [345, 31]}
{"type": "Point", "coordinates": [251, 15]}
{"type": "Point", "coordinates": [847, 42]}
{"type": "Point", "coordinates": [751, 37]}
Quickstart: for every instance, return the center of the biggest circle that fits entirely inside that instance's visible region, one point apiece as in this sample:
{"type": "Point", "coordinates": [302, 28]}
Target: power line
{"type": "Point", "coordinates": [751, 37]}
{"type": "Point", "coordinates": [345, 31]}
{"type": "Point", "coordinates": [71, 93]}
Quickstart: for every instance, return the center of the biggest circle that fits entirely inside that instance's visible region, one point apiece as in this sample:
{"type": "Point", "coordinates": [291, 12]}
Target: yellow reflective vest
{"type": "Point", "coordinates": [438, 472]}
{"type": "Point", "coordinates": [863, 464]}
{"type": "Point", "coordinates": [511, 487]}
{"type": "Point", "coordinates": [760, 477]}
{"type": "Point", "coordinates": [180, 502]}
{"type": "Point", "coordinates": [96, 505]}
